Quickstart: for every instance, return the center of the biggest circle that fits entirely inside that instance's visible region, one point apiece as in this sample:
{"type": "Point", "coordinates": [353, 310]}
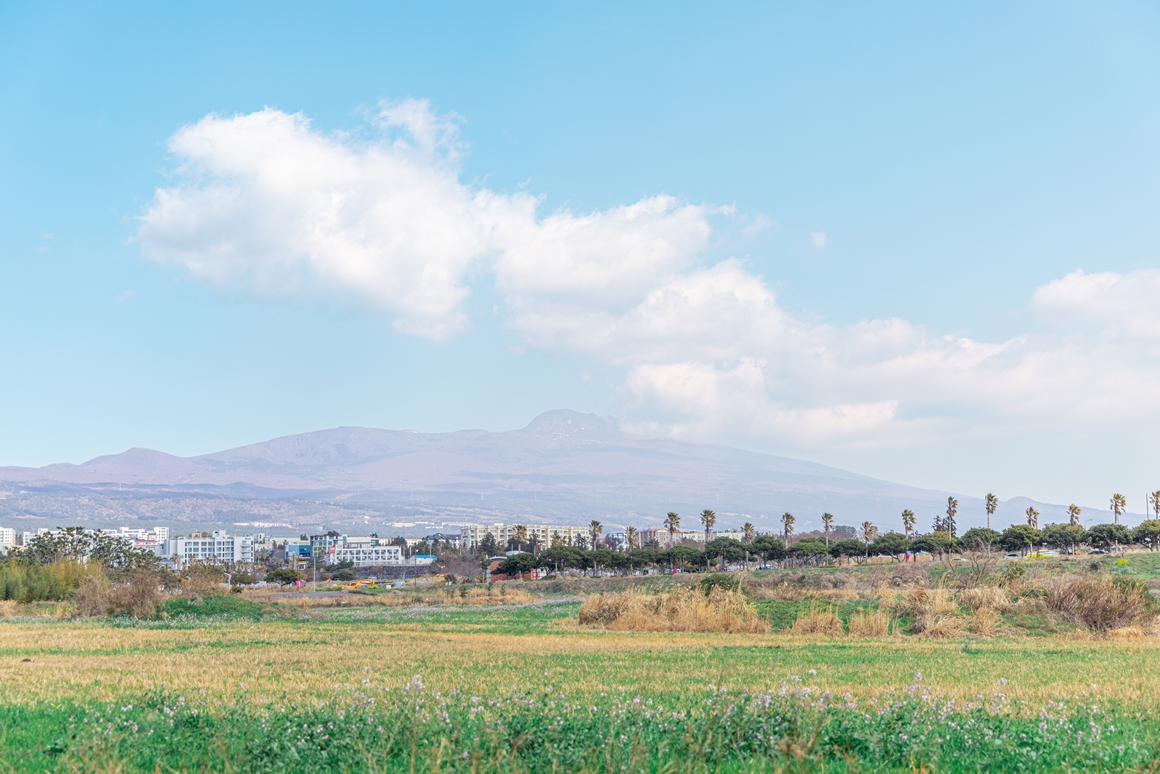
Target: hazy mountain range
{"type": "Point", "coordinates": [564, 467]}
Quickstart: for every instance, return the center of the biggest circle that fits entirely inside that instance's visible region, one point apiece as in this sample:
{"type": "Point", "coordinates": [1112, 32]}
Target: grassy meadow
{"type": "Point", "coordinates": [229, 684]}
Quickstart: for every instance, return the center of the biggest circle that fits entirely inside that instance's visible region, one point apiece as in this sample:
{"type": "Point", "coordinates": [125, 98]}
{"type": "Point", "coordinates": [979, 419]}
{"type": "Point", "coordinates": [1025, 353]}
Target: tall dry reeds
{"type": "Point", "coordinates": [1100, 603]}
{"type": "Point", "coordinates": [980, 597]}
{"type": "Point", "coordinates": [986, 622]}
{"type": "Point", "coordinates": [869, 624]}
{"type": "Point", "coordinates": [936, 614]}
{"type": "Point", "coordinates": [818, 623]}
{"type": "Point", "coordinates": [678, 610]}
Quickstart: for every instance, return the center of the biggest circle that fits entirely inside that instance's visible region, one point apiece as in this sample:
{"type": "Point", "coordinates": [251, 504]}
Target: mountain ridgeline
{"type": "Point", "coordinates": [563, 467]}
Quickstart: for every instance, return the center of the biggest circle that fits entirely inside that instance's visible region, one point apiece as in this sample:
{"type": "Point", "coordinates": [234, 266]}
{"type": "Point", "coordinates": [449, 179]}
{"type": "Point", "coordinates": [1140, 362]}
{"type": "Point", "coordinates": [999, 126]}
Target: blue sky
{"type": "Point", "coordinates": [867, 256]}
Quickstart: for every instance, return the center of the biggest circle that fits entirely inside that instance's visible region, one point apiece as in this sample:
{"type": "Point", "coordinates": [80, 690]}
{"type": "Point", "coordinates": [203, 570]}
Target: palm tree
{"type": "Point", "coordinates": [868, 533]}
{"type": "Point", "coordinates": [748, 534]}
{"type": "Point", "coordinates": [952, 509]}
{"type": "Point", "coordinates": [672, 524]}
{"type": "Point", "coordinates": [1074, 511]}
{"type": "Point", "coordinates": [787, 521]}
{"type": "Point", "coordinates": [630, 538]}
{"type": "Point", "coordinates": [907, 522]}
{"type": "Point", "coordinates": [521, 536]}
{"type": "Point", "coordinates": [1032, 518]}
{"type": "Point", "coordinates": [709, 519]}
{"type": "Point", "coordinates": [1154, 498]}
{"type": "Point", "coordinates": [595, 528]}
{"type": "Point", "coordinates": [1119, 505]}
{"type": "Point", "coordinates": [827, 525]}
{"type": "Point", "coordinates": [992, 504]}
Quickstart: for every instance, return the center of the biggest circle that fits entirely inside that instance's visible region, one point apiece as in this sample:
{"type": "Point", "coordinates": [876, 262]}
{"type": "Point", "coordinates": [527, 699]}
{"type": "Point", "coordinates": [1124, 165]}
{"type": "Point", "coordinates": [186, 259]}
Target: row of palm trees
{"type": "Point", "coordinates": [708, 519]}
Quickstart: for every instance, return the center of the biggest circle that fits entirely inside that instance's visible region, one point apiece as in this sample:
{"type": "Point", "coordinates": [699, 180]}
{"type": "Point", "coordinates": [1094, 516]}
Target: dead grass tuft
{"type": "Point", "coordinates": [1126, 633]}
{"type": "Point", "coordinates": [824, 623]}
{"type": "Point", "coordinates": [981, 597]}
{"type": "Point", "coordinates": [679, 610]}
{"type": "Point", "coordinates": [8, 608]}
{"type": "Point", "coordinates": [869, 624]}
{"type": "Point", "coordinates": [986, 622]}
{"type": "Point", "coordinates": [940, 627]}
{"type": "Point", "coordinates": [921, 601]}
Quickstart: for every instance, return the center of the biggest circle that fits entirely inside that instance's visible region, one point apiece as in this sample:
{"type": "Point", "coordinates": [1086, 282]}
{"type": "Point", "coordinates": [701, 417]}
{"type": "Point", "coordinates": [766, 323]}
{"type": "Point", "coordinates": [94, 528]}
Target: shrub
{"type": "Point", "coordinates": [138, 595]}
{"type": "Point", "coordinates": [680, 610]}
{"type": "Point", "coordinates": [26, 582]}
{"type": "Point", "coordinates": [719, 580]}
{"type": "Point", "coordinates": [1100, 603]}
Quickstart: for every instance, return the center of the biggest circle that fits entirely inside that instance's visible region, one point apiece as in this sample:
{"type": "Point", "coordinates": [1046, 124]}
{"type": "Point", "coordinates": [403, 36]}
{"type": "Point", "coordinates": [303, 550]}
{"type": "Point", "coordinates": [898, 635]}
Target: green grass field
{"type": "Point", "coordinates": [232, 685]}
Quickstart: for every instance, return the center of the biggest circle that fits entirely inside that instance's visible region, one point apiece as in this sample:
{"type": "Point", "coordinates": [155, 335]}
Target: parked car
{"type": "Point", "coordinates": [1012, 556]}
{"type": "Point", "coordinates": [1097, 551]}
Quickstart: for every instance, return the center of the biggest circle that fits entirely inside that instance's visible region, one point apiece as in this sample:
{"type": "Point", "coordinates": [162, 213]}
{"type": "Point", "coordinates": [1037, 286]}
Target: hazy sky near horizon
{"type": "Point", "coordinates": [917, 241]}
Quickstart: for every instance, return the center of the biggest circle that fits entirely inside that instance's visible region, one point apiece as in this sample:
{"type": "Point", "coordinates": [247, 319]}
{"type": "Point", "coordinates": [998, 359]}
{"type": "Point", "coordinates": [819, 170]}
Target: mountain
{"type": "Point", "coordinates": [563, 467]}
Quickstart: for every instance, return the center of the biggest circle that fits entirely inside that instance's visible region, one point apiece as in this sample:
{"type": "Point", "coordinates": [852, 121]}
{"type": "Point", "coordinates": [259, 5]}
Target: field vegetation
{"type": "Point", "coordinates": [965, 663]}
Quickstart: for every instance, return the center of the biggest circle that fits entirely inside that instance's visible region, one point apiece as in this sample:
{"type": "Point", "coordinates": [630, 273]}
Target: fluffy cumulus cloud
{"type": "Point", "coordinates": [268, 204]}
{"type": "Point", "coordinates": [272, 206]}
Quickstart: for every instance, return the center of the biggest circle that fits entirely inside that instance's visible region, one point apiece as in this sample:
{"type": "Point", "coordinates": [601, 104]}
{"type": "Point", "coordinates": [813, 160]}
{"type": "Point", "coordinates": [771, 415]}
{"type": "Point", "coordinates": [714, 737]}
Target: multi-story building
{"type": "Point", "coordinates": [218, 547]}
{"type": "Point", "coordinates": [7, 537]}
{"type": "Point", "coordinates": [366, 552]}
{"type": "Point", "coordinates": [153, 535]}
{"type": "Point", "coordinates": [321, 546]}
{"type": "Point", "coordinates": [471, 535]}
{"type": "Point", "coordinates": [446, 538]}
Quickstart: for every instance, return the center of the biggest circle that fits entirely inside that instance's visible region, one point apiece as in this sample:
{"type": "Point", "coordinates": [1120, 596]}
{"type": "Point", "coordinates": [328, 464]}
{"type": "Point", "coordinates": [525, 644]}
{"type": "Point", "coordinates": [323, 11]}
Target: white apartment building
{"type": "Point", "coordinates": [154, 535]}
{"type": "Point", "coordinates": [221, 547]}
{"type": "Point", "coordinates": [7, 537]}
{"type": "Point", "coordinates": [471, 535]}
{"type": "Point", "coordinates": [366, 552]}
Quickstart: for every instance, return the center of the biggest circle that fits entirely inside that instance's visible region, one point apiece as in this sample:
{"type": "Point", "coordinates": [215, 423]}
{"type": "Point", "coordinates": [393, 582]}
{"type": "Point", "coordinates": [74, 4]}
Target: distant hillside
{"type": "Point", "coordinates": [563, 467]}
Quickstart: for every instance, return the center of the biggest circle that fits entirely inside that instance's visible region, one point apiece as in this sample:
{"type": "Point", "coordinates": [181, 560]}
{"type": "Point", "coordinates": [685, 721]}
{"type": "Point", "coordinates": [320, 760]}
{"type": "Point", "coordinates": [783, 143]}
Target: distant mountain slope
{"type": "Point", "coordinates": [563, 466]}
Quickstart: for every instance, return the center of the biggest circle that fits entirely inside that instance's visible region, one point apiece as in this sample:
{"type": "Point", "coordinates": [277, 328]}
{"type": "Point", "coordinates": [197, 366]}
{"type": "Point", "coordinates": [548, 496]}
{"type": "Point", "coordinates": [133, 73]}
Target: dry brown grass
{"type": "Point", "coordinates": [869, 624]}
{"type": "Point", "coordinates": [1101, 603]}
{"type": "Point", "coordinates": [938, 627]}
{"type": "Point", "coordinates": [980, 597]}
{"type": "Point", "coordinates": [818, 623]}
{"type": "Point", "coordinates": [920, 600]}
{"type": "Point", "coordinates": [138, 595]}
{"type": "Point", "coordinates": [449, 596]}
{"type": "Point", "coordinates": [986, 622]}
{"type": "Point", "coordinates": [1126, 634]}
{"type": "Point", "coordinates": [8, 608]}
{"type": "Point", "coordinates": [679, 610]}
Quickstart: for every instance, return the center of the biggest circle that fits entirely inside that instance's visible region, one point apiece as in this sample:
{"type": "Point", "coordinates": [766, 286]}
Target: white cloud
{"type": "Point", "coordinates": [270, 205]}
{"type": "Point", "coordinates": [1125, 304]}
{"type": "Point", "coordinates": [818, 239]}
